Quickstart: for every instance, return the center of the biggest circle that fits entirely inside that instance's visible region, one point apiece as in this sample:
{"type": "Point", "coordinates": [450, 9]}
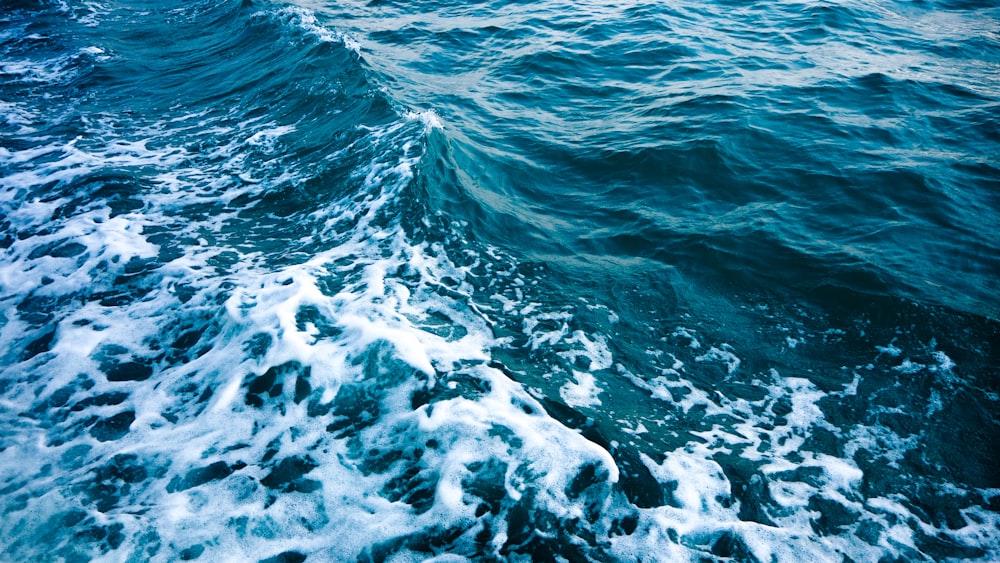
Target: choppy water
{"type": "Point", "coordinates": [668, 281]}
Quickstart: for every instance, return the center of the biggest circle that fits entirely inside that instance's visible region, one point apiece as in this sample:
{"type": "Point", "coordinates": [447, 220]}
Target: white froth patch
{"type": "Point", "coordinates": [405, 342]}
{"type": "Point", "coordinates": [88, 12]}
{"type": "Point", "coordinates": [851, 389]}
{"type": "Point", "coordinates": [595, 350]}
{"type": "Point", "coordinates": [226, 395]}
{"type": "Point", "coordinates": [844, 475]}
{"type": "Point", "coordinates": [682, 332]}
{"type": "Point", "coordinates": [429, 118]}
{"type": "Point", "coordinates": [944, 363]}
{"type": "Point", "coordinates": [805, 412]}
{"type": "Point", "coordinates": [267, 139]}
{"type": "Point", "coordinates": [306, 20]}
{"type": "Point", "coordinates": [882, 441]}
{"type": "Point", "coordinates": [77, 341]}
{"type": "Point", "coordinates": [466, 423]}
{"type": "Point", "coordinates": [909, 367]}
{"type": "Point", "coordinates": [682, 394]}
{"type": "Point", "coordinates": [723, 354]}
{"type": "Point", "coordinates": [538, 338]}
{"type": "Point", "coordinates": [701, 483]}
{"type": "Point", "coordinates": [113, 241]}
{"type": "Point", "coordinates": [15, 114]}
{"type": "Point", "coordinates": [49, 71]}
{"type": "Point", "coordinates": [582, 391]}
{"type": "Point", "coordinates": [507, 303]}
{"type": "Point", "coordinates": [890, 349]}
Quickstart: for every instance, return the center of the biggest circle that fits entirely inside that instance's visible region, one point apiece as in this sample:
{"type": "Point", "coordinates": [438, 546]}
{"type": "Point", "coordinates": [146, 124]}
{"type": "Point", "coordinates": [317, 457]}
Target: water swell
{"type": "Point", "coordinates": [266, 314]}
{"type": "Point", "coordinates": [695, 111]}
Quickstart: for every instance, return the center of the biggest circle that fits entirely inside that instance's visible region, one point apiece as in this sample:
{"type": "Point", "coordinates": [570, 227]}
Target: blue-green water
{"type": "Point", "coordinates": [541, 281]}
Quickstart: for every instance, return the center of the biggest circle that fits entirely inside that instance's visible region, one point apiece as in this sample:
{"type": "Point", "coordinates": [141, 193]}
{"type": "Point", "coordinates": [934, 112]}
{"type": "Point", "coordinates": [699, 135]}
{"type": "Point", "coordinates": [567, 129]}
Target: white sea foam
{"type": "Point", "coordinates": [582, 392]}
{"type": "Point", "coordinates": [722, 354]}
{"type": "Point", "coordinates": [378, 311]}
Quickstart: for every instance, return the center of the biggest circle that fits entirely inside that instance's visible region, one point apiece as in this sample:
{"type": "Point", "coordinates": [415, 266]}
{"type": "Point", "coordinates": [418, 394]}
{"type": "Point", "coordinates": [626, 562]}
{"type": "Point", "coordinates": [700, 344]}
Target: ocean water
{"type": "Point", "coordinates": [499, 281]}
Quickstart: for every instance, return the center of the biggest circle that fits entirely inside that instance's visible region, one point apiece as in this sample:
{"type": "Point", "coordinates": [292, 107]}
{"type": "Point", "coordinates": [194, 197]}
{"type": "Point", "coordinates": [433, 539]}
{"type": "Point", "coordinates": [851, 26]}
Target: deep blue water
{"type": "Point", "coordinates": [581, 281]}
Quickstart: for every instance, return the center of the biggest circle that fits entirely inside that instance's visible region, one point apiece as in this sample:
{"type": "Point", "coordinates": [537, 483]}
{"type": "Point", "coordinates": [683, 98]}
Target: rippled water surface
{"type": "Point", "coordinates": [583, 281]}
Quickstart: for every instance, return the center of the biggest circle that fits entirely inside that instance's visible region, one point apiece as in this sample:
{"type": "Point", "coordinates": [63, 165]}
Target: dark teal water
{"type": "Point", "coordinates": [548, 281]}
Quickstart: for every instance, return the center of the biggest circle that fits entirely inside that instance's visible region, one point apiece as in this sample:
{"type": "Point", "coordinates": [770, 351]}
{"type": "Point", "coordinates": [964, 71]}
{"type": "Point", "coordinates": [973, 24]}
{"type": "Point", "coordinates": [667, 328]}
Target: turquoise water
{"type": "Point", "coordinates": [499, 281]}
